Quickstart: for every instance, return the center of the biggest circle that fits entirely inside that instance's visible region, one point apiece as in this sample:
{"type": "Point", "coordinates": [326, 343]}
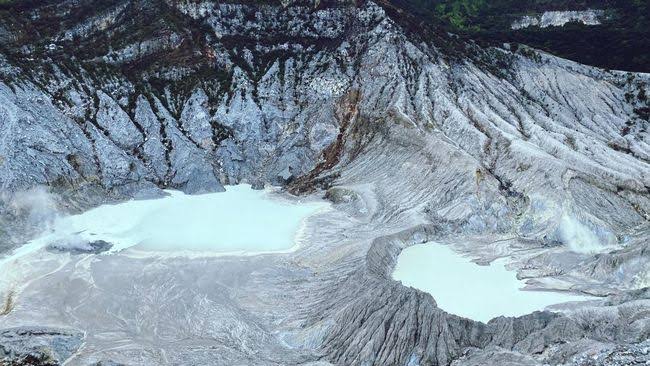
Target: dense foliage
{"type": "Point", "coordinates": [621, 42]}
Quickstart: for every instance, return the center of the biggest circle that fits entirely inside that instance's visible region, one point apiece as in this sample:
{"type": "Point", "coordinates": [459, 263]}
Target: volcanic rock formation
{"type": "Point", "coordinates": [414, 134]}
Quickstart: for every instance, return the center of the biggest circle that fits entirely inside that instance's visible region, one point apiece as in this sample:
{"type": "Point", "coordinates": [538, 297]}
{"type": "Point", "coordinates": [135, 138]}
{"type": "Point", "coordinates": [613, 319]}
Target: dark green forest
{"type": "Point", "coordinates": [622, 42]}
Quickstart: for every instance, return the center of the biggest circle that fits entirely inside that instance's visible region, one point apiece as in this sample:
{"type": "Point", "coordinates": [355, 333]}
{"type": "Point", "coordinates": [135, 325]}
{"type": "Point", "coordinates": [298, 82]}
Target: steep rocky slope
{"type": "Point", "coordinates": [414, 134]}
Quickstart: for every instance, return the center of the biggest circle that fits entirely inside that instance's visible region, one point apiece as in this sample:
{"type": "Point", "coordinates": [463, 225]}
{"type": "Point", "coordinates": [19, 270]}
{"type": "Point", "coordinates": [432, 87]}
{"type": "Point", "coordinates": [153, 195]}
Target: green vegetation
{"type": "Point", "coordinates": [459, 12]}
{"type": "Point", "coordinates": [621, 42]}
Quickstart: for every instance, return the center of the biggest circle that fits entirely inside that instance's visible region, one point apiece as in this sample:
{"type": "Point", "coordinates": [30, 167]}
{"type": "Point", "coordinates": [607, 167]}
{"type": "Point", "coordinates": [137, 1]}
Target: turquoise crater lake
{"type": "Point", "coordinates": [464, 288]}
{"type": "Point", "coordinates": [239, 221]}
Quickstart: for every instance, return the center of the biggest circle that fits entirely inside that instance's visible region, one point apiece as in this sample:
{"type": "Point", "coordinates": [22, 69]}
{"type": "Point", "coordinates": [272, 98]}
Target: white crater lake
{"type": "Point", "coordinates": [240, 221]}
{"type": "Point", "coordinates": [465, 288]}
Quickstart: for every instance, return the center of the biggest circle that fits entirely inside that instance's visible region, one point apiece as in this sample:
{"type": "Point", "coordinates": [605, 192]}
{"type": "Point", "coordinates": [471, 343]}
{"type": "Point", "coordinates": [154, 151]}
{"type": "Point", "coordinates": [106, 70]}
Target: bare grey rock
{"type": "Point", "coordinates": [93, 247]}
{"type": "Point", "coordinates": [494, 356]}
{"type": "Point", "coordinates": [38, 345]}
{"type": "Point", "coordinates": [637, 354]}
{"type": "Point", "coordinates": [559, 18]}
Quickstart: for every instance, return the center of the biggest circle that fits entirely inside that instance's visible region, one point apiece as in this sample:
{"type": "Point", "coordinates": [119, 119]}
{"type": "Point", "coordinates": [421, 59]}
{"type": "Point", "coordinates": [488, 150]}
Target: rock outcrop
{"type": "Point", "coordinates": [559, 19]}
{"type": "Point", "coordinates": [74, 247]}
{"type": "Point", "coordinates": [38, 345]}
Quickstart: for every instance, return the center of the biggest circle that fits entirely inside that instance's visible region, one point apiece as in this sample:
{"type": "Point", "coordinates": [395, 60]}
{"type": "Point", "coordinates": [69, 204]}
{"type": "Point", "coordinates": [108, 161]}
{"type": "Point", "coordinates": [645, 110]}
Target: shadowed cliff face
{"type": "Point", "coordinates": [415, 134]}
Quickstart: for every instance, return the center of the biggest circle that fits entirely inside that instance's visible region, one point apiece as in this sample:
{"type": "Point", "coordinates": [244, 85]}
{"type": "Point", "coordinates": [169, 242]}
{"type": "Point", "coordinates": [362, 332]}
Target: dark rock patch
{"type": "Point", "coordinates": [38, 346]}
{"type": "Point", "coordinates": [74, 248]}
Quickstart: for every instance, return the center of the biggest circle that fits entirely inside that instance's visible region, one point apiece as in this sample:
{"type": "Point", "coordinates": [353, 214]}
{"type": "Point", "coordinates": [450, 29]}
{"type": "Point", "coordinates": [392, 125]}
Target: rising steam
{"type": "Point", "coordinates": [578, 236]}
